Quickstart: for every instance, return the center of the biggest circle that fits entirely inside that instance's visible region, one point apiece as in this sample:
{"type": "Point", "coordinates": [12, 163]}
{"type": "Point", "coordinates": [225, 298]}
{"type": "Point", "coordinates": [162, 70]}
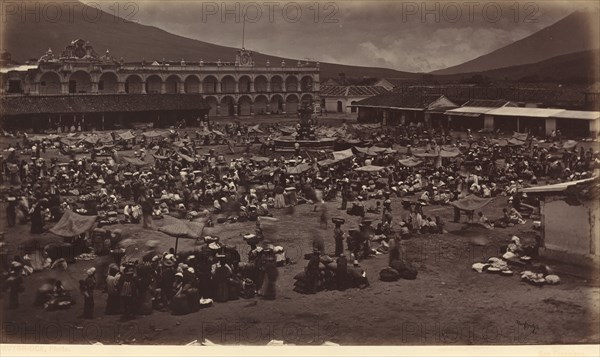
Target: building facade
{"type": "Point", "coordinates": [240, 88]}
{"type": "Point", "coordinates": [341, 99]}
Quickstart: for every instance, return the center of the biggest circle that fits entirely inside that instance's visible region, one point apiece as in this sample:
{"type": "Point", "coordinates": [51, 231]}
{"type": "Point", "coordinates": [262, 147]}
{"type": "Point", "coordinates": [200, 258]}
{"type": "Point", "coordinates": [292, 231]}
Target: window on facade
{"type": "Point", "coordinates": [101, 85]}
{"type": "Point", "coordinates": [14, 86]}
{"type": "Point", "coordinates": [72, 86]}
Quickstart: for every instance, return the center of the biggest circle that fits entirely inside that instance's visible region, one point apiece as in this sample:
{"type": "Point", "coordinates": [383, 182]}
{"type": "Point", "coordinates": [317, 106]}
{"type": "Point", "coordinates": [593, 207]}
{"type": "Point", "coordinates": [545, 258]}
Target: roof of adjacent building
{"type": "Point", "coordinates": [18, 68]}
{"type": "Point", "coordinates": [577, 114]}
{"type": "Point", "coordinates": [22, 105]}
{"type": "Point", "coordinates": [525, 112]}
{"type": "Point", "coordinates": [469, 111]}
{"type": "Point", "coordinates": [559, 187]}
{"type": "Point", "coordinates": [487, 103]}
{"type": "Point", "coordinates": [351, 91]}
{"type": "Point", "coordinates": [412, 100]}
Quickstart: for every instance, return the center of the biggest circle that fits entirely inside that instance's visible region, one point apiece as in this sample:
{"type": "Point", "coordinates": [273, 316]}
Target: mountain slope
{"type": "Point", "coordinates": [578, 67]}
{"type": "Point", "coordinates": [574, 33]}
{"type": "Point", "coordinates": [30, 39]}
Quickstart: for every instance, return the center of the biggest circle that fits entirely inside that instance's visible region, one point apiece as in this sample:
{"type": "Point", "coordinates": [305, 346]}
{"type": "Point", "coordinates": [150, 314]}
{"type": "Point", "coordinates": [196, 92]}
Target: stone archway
{"type": "Point", "coordinates": [134, 84]}
{"type": "Point", "coordinates": [261, 84]}
{"type": "Point", "coordinates": [276, 104]}
{"type": "Point", "coordinates": [227, 106]}
{"type": "Point", "coordinates": [261, 105]}
{"type": "Point", "coordinates": [213, 103]}
{"type": "Point", "coordinates": [80, 82]}
{"type": "Point", "coordinates": [228, 84]}
{"type": "Point", "coordinates": [291, 84]}
{"type": "Point", "coordinates": [153, 84]}
{"type": "Point", "coordinates": [172, 85]}
{"type": "Point", "coordinates": [191, 85]}
{"type": "Point", "coordinates": [108, 83]}
{"type": "Point", "coordinates": [291, 104]}
{"type": "Point", "coordinates": [210, 84]}
{"type": "Point", "coordinates": [245, 106]}
{"type": "Point", "coordinates": [244, 84]}
{"type": "Point", "coordinates": [50, 83]}
{"type": "Point", "coordinates": [276, 84]}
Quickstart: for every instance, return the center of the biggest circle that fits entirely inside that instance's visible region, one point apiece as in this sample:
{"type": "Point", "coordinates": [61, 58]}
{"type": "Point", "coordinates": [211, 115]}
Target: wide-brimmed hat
{"type": "Point", "coordinates": [91, 271]}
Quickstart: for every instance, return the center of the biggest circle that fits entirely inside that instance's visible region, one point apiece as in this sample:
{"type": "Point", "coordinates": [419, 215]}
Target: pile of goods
{"type": "Point", "coordinates": [493, 266]}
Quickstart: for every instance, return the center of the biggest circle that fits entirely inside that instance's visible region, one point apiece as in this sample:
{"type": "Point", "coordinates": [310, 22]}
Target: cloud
{"type": "Point", "coordinates": [378, 33]}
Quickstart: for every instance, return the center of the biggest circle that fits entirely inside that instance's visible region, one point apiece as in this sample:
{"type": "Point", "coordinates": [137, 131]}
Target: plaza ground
{"type": "Point", "coordinates": [448, 303]}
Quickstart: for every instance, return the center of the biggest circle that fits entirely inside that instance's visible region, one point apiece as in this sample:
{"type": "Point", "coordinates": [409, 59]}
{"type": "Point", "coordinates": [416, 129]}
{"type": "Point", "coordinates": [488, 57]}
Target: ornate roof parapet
{"type": "Point", "coordinates": [79, 50]}
{"type": "Point", "coordinates": [48, 57]}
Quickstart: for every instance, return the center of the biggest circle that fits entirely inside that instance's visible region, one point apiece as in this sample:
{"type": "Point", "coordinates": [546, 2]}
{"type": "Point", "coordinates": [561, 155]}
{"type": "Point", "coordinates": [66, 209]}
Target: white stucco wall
{"type": "Point", "coordinates": [572, 229]}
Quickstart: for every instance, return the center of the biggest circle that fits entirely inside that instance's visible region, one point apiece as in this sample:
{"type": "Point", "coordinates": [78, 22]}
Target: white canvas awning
{"type": "Point", "coordinates": [525, 112]}
{"type": "Point", "coordinates": [577, 114]}
{"type": "Point", "coordinates": [469, 111]}
{"type": "Point", "coordinates": [559, 187]}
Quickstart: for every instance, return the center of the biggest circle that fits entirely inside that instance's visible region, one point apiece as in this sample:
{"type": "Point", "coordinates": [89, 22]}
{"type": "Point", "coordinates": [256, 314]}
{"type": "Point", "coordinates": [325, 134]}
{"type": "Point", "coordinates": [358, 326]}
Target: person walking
{"type": "Point", "coordinates": [338, 236]}
{"type": "Point", "coordinates": [87, 287]}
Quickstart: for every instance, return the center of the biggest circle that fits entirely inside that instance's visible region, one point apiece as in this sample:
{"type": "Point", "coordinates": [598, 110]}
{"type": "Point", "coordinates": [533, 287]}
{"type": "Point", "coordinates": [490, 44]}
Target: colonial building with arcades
{"type": "Point", "coordinates": [240, 88]}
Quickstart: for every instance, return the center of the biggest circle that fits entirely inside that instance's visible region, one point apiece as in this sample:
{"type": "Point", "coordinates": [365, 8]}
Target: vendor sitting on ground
{"type": "Point", "coordinates": [484, 221]}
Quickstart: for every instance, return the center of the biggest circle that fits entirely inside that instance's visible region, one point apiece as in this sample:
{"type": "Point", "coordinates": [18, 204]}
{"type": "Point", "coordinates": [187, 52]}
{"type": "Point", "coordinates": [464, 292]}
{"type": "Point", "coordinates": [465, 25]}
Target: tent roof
{"type": "Point", "coordinates": [471, 203]}
{"type": "Point", "coordinates": [72, 224]}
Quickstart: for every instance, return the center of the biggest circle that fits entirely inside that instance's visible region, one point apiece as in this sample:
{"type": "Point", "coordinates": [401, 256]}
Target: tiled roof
{"type": "Point", "coordinates": [99, 103]}
{"type": "Point", "coordinates": [486, 103]}
{"type": "Point", "coordinates": [351, 91]}
{"type": "Point", "coordinates": [414, 100]}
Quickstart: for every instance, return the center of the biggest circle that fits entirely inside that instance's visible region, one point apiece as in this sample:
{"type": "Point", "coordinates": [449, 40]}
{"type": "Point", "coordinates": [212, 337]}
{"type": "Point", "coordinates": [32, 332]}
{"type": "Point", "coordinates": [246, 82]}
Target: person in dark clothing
{"type": "Point", "coordinates": [37, 221]}
{"type": "Point", "coordinates": [128, 294]}
{"type": "Point", "coordinates": [11, 212]}
{"type": "Point", "coordinates": [87, 287]}
{"type": "Point", "coordinates": [341, 273]}
{"type": "Point", "coordinates": [313, 274]}
{"type": "Point", "coordinates": [268, 290]}
{"type": "Point", "coordinates": [338, 236]}
{"type": "Point", "coordinates": [15, 286]}
{"type": "Point", "coordinates": [222, 274]}
{"type": "Point", "coordinates": [147, 204]}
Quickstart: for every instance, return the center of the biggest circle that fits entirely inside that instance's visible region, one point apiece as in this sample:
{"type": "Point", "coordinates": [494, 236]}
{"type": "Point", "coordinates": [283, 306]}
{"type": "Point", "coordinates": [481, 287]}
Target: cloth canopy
{"type": "Point", "coordinates": [449, 151]}
{"type": "Point", "coordinates": [471, 203]}
{"type": "Point", "coordinates": [160, 157]}
{"type": "Point", "coordinates": [499, 142]}
{"type": "Point", "coordinates": [410, 162]}
{"type": "Point", "coordinates": [154, 134]}
{"type": "Point", "coordinates": [134, 161]}
{"type": "Point", "coordinates": [287, 130]}
{"type": "Point", "coordinates": [298, 169]}
{"type": "Point", "coordinates": [91, 139]}
{"type": "Point", "coordinates": [370, 168]}
{"type": "Point", "coordinates": [569, 144]}
{"type": "Point", "coordinates": [520, 136]}
{"type": "Point", "coordinates": [72, 224]}
{"type": "Point", "coordinates": [181, 229]}
{"type": "Point", "coordinates": [186, 157]}
{"type": "Point", "coordinates": [515, 142]}
{"type": "Point", "coordinates": [372, 151]}
{"type": "Point", "coordinates": [418, 152]}
{"type": "Point", "coordinates": [127, 135]}
{"type": "Point", "coordinates": [341, 155]}
{"type": "Point", "coordinates": [260, 159]}
{"type": "Point", "coordinates": [255, 129]}
{"type": "Point", "coordinates": [216, 132]}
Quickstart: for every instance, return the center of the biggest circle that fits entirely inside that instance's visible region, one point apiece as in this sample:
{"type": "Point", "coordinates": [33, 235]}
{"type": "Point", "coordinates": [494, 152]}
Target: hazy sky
{"type": "Point", "coordinates": [408, 36]}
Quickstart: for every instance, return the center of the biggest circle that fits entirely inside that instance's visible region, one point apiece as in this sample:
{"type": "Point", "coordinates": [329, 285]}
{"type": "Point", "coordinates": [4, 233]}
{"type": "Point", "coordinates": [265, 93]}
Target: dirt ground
{"type": "Point", "coordinates": [448, 303]}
